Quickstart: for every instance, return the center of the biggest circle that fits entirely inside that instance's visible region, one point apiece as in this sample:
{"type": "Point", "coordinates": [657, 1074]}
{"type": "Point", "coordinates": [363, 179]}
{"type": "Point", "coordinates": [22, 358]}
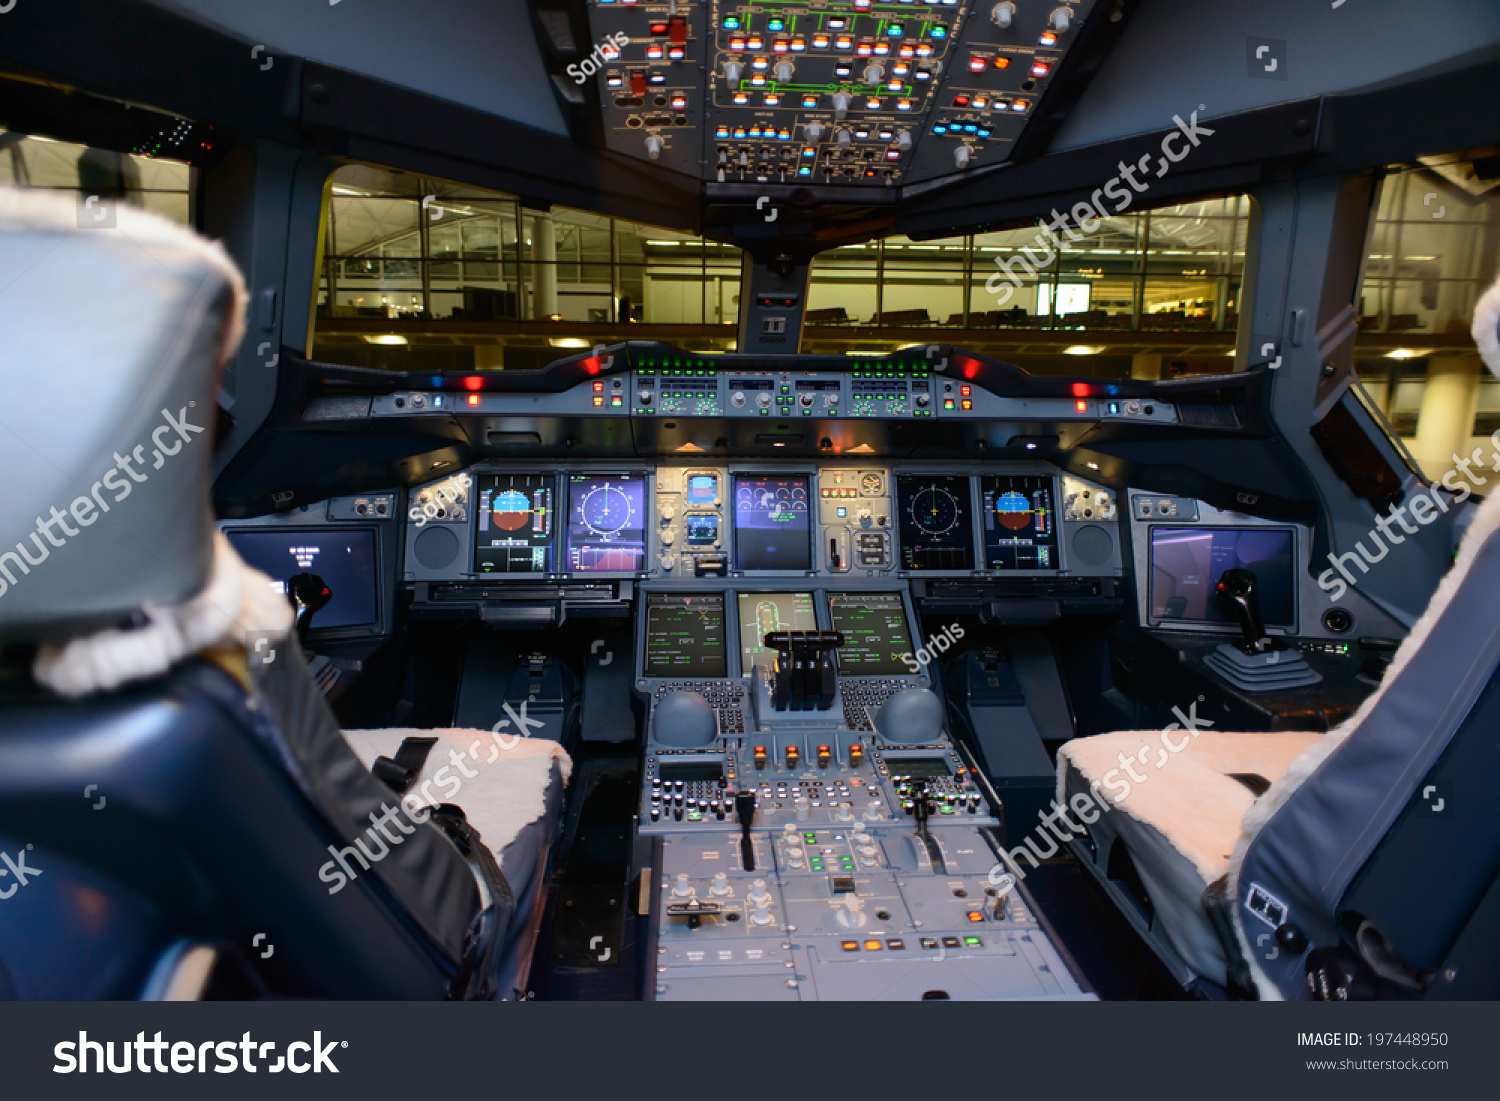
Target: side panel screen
{"type": "Point", "coordinates": [1020, 530]}
{"type": "Point", "coordinates": [1186, 564]}
{"type": "Point", "coordinates": [876, 637]}
{"type": "Point", "coordinates": [345, 560]}
{"type": "Point", "coordinates": [515, 523]}
{"type": "Point", "coordinates": [606, 523]}
{"type": "Point", "coordinates": [772, 523]}
{"type": "Point", "coordinates": [685, 635]}
{"type": "Point", "coordinates": [936, 524]}
{"type": "Point", "coordinates": [762, 613]}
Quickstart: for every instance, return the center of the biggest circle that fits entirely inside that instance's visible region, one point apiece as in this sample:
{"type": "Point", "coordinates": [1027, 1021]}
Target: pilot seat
{"type": "Point", "coordinates": [180, 815]}
{"type": "Point", "coordinates": [1357, 863]}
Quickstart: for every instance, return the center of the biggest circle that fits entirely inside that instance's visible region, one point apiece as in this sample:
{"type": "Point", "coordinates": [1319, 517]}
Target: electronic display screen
{"type": "Point", "coordinates": [345, 560]}
{"type": "Point", "coordinates": [685, 635]}
{"type": "Point", "coordinates": [702, 528]}
{"type": "Point", "coordinates": [1020, 522]}
{"type": "Point", "coordinates": [703, 489]}
{"type": "Point", "coordinates": [762, 613]}
{"type": "Point", "coordinates": [606, 523]}
{"type": "Point", "coordinates": [514, 523]}
{"type": "Point", "coordinates": [918, 768]}
{"type": "Point", "coordinates": [936, 522]}
{"type": "Point", "coordinates": [772, 523]}
{"type": "Point", "coordinates": [1186, 564]}
{"type": "Point", "coordinates": [692, 771]}
{"type": "Point", "coordinates": [876, 638]}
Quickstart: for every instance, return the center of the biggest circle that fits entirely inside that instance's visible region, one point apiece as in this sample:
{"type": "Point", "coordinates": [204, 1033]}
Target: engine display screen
{"type": "Point", "coordinates": [345, 560]}
{"type": "Point", "coordinates": [606, 523]}
{"type": "Point", "coordinates": [1186, 564]}
{"type": "Point", "coordinates": [1020, 523]}
{"type": "Point", "coordinates": [685, 635]}
{"type": "Point", "coordinates": [772, 523]}
{"type": "Point", "coordinates": [935, 519]}
{"type": "Point", "coordinates": [876, 637]}
{"type": "Point", "coordinates": [514, 524]}
{"type": "Point", "coordinates": [762, 613]}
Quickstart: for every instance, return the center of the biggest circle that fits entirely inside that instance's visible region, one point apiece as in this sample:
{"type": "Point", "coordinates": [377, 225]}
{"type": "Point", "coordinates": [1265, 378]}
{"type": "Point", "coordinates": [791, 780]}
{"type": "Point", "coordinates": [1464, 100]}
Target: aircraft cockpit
{"type": "Point", "coordinates": [854, 501]}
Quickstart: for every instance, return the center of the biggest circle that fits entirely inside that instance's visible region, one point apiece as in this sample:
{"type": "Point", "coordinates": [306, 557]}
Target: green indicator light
{"type": "Point", "coordinates": [972, 942]}
{"type": "Point", "coordinates": [810, 837]}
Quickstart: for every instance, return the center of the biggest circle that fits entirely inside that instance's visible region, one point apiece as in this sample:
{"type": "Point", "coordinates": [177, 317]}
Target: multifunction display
{"type": "Point", "coordinates": [762, 613]}
{"type": "Point", "coordinates": [1020, 531]}
{"type": "Point", "coordinates": [606, 523]}
{"type": "Point", "coordinates": [344, 560]}
{"type": "Point", "coordinates": [936, 522]}
{"type": "Point", "coordinates": [877, 642]}
{"type": "Point", "coordinates": [1186, 564]}
{"type": "Point", "coordinates": [515, 523]}
{"type": "Point", "coordinates": [685, 635]}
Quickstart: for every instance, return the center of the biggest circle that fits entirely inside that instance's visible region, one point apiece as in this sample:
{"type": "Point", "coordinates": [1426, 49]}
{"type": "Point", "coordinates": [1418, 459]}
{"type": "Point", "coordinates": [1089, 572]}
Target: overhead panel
{"type": "Point", "coordinates": [853, 93]}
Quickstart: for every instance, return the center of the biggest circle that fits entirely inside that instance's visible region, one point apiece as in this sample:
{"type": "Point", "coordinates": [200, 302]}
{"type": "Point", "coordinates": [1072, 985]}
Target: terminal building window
{"type": "Point", "coordinates": [419, 272]}
{"type": "Point", "coordinates": [1432, 250]}
{"type": "Point", "coordinates": [158, 184]}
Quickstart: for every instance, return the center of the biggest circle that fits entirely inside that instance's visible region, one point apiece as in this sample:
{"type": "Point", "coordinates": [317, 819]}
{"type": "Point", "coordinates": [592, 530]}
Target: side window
{"type": "Point", "coordinates": [155, 183]}
{"type": "Point", "coordinates": [1433, 249]}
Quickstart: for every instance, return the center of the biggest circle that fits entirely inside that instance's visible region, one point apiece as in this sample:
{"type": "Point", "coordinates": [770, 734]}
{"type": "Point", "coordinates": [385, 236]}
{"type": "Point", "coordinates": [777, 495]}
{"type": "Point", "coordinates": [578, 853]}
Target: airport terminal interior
{"type": "Point", "coordinates": [792, 500]}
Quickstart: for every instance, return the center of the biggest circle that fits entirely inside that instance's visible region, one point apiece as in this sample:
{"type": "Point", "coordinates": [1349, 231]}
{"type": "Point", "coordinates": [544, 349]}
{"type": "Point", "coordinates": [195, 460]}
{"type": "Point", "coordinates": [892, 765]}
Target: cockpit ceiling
{"type": "Point", "coordinates": [850, 93]}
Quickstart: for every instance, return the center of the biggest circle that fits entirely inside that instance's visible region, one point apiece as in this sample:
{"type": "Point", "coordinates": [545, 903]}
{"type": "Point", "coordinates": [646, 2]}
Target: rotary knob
{"type": "Point", "coordinates": [668, 513]}
{"type": "Point", "coordinates": [961, 155]}
{"type": "Point", "coordinates": [1061, 20]}
{"type": "Point", "coordinates": [813, 131]}
{"type": "Point", "coordinates": [872, 812]}
{"type": "Point", "coordinates": [840, 104]}
{"type": "Point", "coordinates": [763, 398]}
{"type": "Point", "coordinates": [683, 889]}
{"type": "Point", "coordinates": [874, 73]}
{"type": "Point", "coordinates": [667, 538]}
{"type": "Point", "coordinates": [737, 398]}
{"type": "Point", "coordinates": [721, 885]}
{"type": "Point", "coordinates": [903, 139]}
{"type": "Point", "coordinates": [758, 892]}
{"type": "Point", "coordinates": [653, 146]}
{"type": "Point", "coordinates": [843, 137]}
{"type": "Point", "coordinates": [782, 71]}
{"type": "Point", "coordinates": [844, 813]}
{"type": "Point", "coordinates": [762, 914]}
{"type": "Point", "coordinates": [668, 563]}
{"type": "Point", "coordinates": [732, 72]}
{"type": "Point", "coordinates": [1003, 13]}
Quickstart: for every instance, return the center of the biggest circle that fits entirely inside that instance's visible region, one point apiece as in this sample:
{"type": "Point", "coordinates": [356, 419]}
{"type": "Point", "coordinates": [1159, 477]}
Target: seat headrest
{"type": "Point", "coordinates": [116, 322]}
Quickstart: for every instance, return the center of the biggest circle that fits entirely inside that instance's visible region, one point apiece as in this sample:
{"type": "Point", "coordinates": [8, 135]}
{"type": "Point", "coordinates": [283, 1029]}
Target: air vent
{"type": "Point", "coordinates": [1208, 414]}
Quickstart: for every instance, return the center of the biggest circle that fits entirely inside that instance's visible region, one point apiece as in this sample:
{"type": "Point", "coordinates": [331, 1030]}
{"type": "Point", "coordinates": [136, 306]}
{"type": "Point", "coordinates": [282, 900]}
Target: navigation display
{"type": "Point", "coordinates": [772, 523]}
{"type": "Point", "coordinates": [936, 522]}
{"type": "Point", "coordinates": [1186, 564]}
{"type": "Point", "coordinates": [876, 638]}
{"type": "Point", "coordinates": [345, 560]}
{"type": "Point", "coordinates": [515, 523]}
{"type": "Point", "coordinates": [606, 523]}
{"type": "Point", "coordinates": [685, 635]}
{"type": "Point", "coordinates": [1020, 523]}
{"type": "Point", "coordinates": [762, 613]}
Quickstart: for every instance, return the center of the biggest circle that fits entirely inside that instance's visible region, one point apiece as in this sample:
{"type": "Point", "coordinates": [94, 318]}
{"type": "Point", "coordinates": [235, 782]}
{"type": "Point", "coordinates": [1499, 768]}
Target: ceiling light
{"type": "Point", "coordinates": [386, 338]}
{"type": "Point", "coordinates": [568, 342]}
{"type": "Point", "coordinates": [1401, 353]}
{"type": "Point", "coordinates": [1083, 350]}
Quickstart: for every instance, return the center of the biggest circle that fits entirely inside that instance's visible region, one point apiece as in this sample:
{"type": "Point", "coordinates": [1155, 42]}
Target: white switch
{"type": "Point", "coordinates": [653, 146]}
{"type": "Point", "coordinates": [1061, 20]}
{"type": "Point", "coordinates": [782, 71]}
{"type": "Point", "coordinates": [1003, 13]}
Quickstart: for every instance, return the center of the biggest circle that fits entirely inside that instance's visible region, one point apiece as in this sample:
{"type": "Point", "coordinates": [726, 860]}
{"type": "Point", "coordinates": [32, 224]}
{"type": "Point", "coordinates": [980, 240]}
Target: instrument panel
{"type": "Point", "coordinates": [759, 519]}
{"type": "Point", "coordinates": [853, 93]}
